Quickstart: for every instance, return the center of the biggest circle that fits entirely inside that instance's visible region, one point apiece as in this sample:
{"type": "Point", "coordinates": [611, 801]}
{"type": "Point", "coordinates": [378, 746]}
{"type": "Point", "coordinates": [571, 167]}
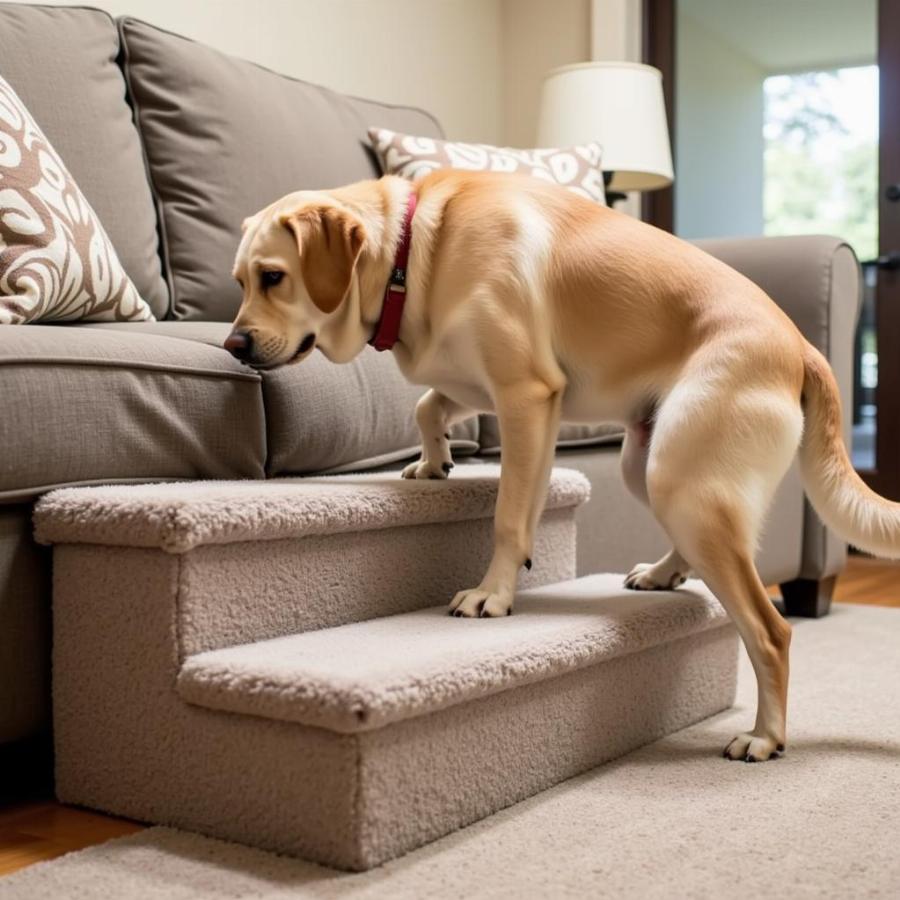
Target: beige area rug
{"type": "Point", "coordinates": [671, 820]}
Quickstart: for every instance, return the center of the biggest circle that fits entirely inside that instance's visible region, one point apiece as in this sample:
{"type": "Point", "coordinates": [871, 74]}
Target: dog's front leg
{"type": "Point", "coordinates": [529, 422]}
{"type": "Point", "coordinates": [435, 414]}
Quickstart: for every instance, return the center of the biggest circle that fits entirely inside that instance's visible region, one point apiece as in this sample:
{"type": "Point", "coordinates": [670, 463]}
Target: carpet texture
{"type": "Point", "coordinates": [168, 709]}
{"type": "Point", "coordinates": [126, 617]}
{"type": "Point", "coordinates": [178, 516]}
{"type": "Point", "coordinates": [127, 743]}
{"type": "Point", "coordinates": [670, 820]}
{"type": "Point", "coordinates": [282, 571]}
{"type": "Point", "coordinates": [367, 675]}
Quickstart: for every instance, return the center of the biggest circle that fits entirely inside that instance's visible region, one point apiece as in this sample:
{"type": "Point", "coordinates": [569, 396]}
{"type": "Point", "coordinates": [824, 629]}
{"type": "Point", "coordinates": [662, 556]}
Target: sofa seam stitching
{"type": "Point", "coordinates": [56, 8]}
{"type": "Point", "coordinates": [828, 283]}
{"type": "Point", "coordinates": [842, 244]}
{"type": "Point", "coordinates": [829, 280]}
{"type": "Point", "coordinates": [25, 361]}
{"type": "Point", "coordinates": [131, 99]}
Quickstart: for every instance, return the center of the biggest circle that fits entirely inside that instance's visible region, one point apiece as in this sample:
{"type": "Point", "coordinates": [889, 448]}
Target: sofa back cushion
{"type": "Point", "coordinates": [62, 64]}
{"type": "Point", "coordinates": [225, 137]}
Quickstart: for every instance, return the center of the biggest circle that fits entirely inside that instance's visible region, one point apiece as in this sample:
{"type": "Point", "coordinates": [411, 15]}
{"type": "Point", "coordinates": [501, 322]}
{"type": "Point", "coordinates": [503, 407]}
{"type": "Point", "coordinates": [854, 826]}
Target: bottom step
{"type": "Point", "coordinates": [352, 745]}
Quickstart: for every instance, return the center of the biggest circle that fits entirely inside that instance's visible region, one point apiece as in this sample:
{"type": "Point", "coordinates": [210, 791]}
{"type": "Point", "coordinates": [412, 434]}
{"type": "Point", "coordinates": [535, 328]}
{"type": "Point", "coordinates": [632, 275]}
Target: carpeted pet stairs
{"type": "Point", "coordinates": [268, 662]}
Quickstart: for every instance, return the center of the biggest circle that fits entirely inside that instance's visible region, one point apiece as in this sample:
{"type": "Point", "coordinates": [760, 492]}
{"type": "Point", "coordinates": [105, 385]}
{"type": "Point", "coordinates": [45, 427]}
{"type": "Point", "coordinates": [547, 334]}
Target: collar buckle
{"type": "Point", "coordinates": [388, 328]}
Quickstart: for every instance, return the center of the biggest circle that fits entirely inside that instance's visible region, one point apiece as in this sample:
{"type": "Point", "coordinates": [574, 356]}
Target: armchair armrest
{"type": "Point", "coordinates": [816, 280]}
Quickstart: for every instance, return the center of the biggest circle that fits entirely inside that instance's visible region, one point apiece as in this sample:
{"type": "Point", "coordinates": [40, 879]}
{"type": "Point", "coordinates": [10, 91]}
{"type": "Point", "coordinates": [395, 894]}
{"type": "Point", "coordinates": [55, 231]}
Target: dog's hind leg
{"type": "Point", "coordinates": [672, 570]}
{"type": "Point", "coordinates": [709, 486]}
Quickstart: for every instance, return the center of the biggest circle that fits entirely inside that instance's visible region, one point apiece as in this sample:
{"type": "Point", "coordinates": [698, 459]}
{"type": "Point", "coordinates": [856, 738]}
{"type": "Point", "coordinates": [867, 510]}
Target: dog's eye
{"type": "Point", "coordinates": [271, 277]}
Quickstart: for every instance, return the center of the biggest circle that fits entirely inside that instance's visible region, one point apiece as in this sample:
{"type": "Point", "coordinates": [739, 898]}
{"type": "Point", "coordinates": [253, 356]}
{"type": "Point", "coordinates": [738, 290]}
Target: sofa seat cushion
{"type": "Point", "coordinates": [570, 435]}
{"type": "Point", "coordinates": [83, 404]}
{"type": "Point", "coordinates": [327, 418]}
{"type": "Point", "coordinates": [224, 138]}
{"type": "Point", "coordinates": [62, 64]}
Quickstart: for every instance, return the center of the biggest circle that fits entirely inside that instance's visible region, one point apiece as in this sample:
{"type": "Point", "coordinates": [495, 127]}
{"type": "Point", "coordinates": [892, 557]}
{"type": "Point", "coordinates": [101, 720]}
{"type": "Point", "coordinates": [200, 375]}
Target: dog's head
{"type": "Point", "coordinates": [296, 264]}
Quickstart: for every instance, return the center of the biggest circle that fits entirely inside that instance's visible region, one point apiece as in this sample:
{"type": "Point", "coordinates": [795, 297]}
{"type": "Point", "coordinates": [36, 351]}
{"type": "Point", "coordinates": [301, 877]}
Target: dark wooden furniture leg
{"type": "Point", "coordinates": [807, 597]}
{"type": "Point", "coordinates": [26, 769]}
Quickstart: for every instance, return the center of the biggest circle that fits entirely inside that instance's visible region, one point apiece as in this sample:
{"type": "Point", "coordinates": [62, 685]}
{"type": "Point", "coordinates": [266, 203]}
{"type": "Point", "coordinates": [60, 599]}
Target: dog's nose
{"type": "Point", "coordinates": [240, 345]}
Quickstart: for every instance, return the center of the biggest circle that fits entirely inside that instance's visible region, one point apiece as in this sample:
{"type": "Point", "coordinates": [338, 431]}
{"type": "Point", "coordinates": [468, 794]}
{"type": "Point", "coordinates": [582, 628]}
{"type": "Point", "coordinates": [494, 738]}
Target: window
{"type": "Point", "coordinates": [821, 155]}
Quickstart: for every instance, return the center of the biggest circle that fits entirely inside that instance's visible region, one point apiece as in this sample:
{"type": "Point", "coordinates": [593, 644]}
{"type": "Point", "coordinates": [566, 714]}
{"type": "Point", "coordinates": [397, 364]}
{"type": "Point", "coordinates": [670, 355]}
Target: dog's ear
{"type": "Point", "coordinates": [248, 222]}
{"type": "Point", "coordinates": [329, 241]}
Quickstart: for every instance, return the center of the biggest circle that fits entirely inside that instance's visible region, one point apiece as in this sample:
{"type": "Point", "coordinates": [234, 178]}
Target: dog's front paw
{"type": "Point", "coordinates": [753, 748]}
{"type": "Point", "coordinates": [424, 469]}
{"type": "Point", "coordinates": [654, 577]}
{"type": "Point", "coordinates": [481, 603]}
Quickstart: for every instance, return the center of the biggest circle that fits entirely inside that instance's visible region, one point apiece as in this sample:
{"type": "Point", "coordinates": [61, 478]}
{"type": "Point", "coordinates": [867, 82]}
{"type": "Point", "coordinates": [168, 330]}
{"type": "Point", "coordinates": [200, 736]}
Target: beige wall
{"type": "Point", "coordinates": [537, 36]}
{"type": "Point", "coordinates": [476, 64]}
{"type": "Point", "coordinates": [616, 30]}
{"type": "Point", "coordinates": [443, 55]}
{"type": "Point", "coordinates": [719, 104]}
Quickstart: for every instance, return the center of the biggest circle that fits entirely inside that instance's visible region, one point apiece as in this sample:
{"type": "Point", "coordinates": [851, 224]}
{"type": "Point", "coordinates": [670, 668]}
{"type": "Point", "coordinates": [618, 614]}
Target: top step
{"type": "Point", "coordinates": [179, 516]}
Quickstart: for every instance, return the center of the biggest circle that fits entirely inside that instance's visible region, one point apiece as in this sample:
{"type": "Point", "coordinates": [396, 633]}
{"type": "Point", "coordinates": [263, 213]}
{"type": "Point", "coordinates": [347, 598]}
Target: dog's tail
{"type": "Point", "coordinates": [841, 498]}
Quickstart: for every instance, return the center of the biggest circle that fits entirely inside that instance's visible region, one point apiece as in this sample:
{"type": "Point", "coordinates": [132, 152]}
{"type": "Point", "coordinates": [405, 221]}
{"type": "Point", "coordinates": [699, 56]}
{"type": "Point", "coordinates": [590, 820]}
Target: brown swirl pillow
{"type": "Point", "coordinates": [56, 261]}
{"type": "Point", "coordinates": [577, 168]}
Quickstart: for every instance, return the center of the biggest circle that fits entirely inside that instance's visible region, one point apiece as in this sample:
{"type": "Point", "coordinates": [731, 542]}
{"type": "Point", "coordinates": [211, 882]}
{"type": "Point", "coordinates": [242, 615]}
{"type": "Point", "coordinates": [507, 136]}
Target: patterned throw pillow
{"type": "Point", "coordinates": [56, 261]}
{"type": "Point", "coordinates": [577, 168]}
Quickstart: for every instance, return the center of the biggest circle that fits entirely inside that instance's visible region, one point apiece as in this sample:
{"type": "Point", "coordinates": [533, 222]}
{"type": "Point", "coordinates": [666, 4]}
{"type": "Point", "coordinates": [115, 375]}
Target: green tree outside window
{"type": "Point", "coordinates": [821, 155]}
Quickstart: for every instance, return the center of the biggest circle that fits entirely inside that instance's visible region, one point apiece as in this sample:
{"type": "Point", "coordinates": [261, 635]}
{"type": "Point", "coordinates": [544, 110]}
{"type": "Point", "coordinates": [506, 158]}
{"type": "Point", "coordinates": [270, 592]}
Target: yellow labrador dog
{"type": "Point", "coordinates": [525, 300]}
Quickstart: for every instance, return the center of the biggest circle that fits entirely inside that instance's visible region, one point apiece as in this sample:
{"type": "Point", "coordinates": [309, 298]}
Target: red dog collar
{"type": "Point", "coordinates": [388, 327]}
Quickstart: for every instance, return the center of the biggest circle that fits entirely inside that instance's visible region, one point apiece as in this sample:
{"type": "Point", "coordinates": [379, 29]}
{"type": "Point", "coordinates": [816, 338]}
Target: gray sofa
{"type": "Point", "coordinates": [173, 144]}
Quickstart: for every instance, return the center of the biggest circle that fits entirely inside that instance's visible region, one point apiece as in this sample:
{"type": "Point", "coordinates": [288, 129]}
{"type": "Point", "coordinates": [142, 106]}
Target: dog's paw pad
{"type": "Point", "coordinates": [423, 469]}
{"type": "Point", "coordinates": [654, 577]}
{"type": "Point", "coordinates": [478, 603]}
{"type": "Point", "coordinates": [753, 748]}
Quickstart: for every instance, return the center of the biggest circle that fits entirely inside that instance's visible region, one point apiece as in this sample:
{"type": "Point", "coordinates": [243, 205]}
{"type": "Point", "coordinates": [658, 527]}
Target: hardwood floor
{"type": "Point", "coordinates": [32, 832]}
{"type": "Point", "coordinates": [871, 581]}
{"type": "Point", "coordinates": [867, 581]}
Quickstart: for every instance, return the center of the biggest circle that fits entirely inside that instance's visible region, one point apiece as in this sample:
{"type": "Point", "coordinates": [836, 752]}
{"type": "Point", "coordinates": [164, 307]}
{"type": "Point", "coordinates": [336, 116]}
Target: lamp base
{"type": "Point", "coordinates": [612, 197]}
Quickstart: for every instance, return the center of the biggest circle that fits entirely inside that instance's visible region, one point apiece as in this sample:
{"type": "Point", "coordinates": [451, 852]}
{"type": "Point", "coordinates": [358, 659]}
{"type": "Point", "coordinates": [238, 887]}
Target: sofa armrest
{"type": "Point", "coordinates": [816, 280]}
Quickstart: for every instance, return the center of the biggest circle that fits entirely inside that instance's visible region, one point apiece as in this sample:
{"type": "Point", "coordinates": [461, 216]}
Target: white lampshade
{"type": "Point", "coordinates": [618, 105]}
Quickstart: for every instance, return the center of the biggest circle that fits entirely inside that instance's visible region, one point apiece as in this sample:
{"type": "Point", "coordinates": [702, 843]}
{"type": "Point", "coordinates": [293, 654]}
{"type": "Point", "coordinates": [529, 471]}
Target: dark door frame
{"type": "Point", "coordinates": [658, 208]}
{"type": "Point", "coordinates": [886, 477]}
{"type": "Point", "coordinates": [658, 48]}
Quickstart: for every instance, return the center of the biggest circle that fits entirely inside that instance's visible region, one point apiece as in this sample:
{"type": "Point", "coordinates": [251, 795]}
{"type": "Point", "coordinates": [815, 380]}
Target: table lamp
{"type": "Point", "coordinates": [620, 106]}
